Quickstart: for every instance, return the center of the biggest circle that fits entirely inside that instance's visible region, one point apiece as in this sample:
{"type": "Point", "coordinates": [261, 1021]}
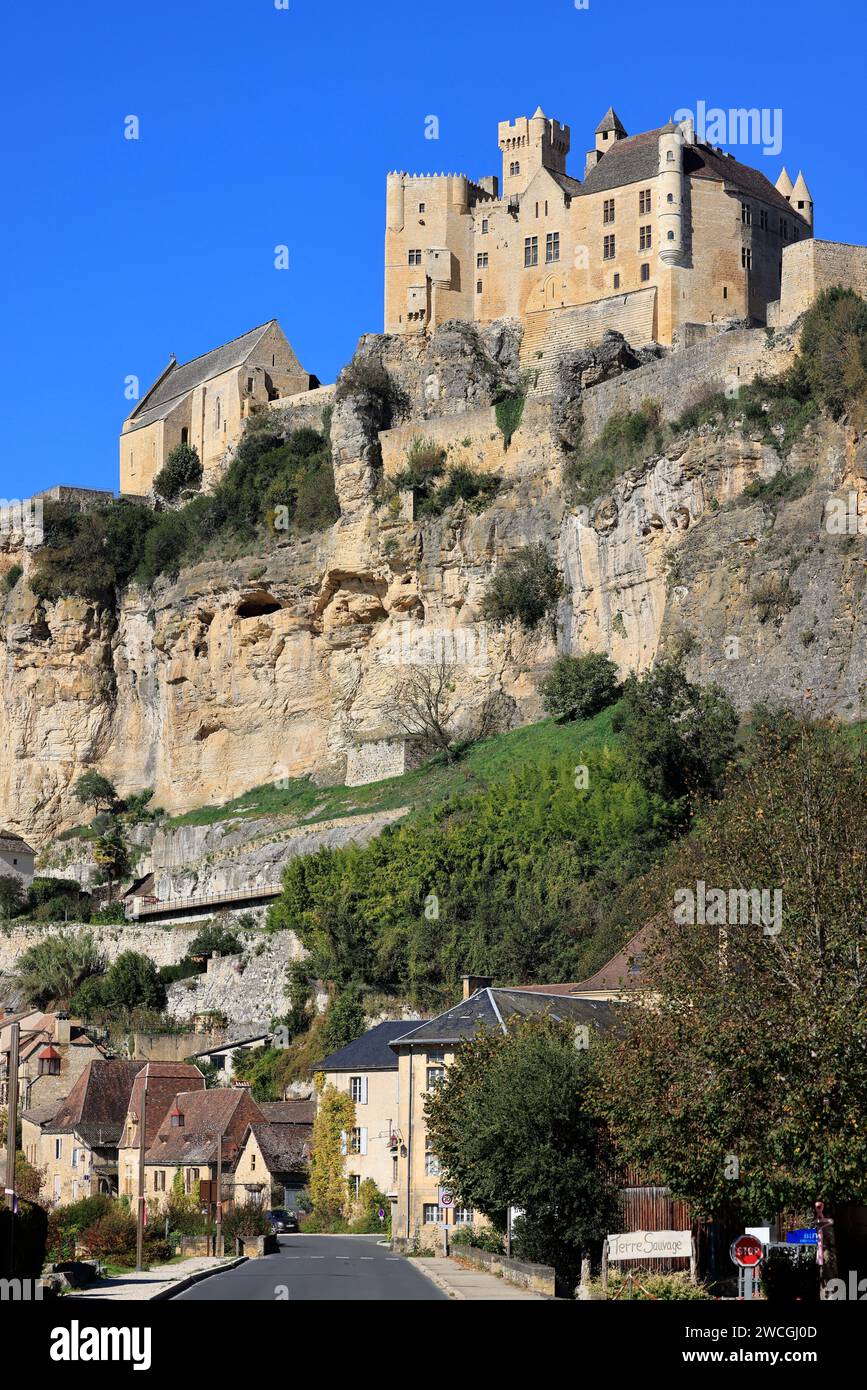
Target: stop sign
{"type": "Point", "coordinates": [746, 1251]}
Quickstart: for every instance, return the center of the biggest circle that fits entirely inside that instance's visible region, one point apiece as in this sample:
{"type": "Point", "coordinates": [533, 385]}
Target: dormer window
{"type": "Point", "coordinates": [176, 1118]}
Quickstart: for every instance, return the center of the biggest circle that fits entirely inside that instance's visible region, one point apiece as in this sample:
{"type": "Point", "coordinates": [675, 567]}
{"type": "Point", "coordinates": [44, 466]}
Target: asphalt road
{"type": "Point", "coordinates": [320, 1268]}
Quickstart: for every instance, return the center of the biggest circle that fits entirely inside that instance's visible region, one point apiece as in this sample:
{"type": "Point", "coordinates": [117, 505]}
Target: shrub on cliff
{"type": "Point", "coordinates": [579, 686]}
{"type": "Point", "coordinates": [181, 472]}
{"type": "Point", "coordinates": [11, 895]}
{"type": "Point", "coordinates": [89, 554]}
{"type": "Point", "coordinates": [54, 969]}
{"type": "Point", "coordinates": [526, 588]}
{"type": "Point", "coordinates": [832, 360]}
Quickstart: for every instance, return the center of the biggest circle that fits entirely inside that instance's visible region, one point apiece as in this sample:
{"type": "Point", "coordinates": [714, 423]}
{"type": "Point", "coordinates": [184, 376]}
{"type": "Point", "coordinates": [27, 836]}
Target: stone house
{"type": "Point", "coordinates": [152, 1096]}
{"type": "Point", "coordinates": [367, 1069]}
{"type": "Point", "coordinates": [16, 857]}
{"type": "Point", "coordinates": [198, 1129]}
{"type": "Point", "coordinates": [221, 1056]}
{"type": "Point", "coordinates": [664, 230]}
{"type": "Point", "coordinates": [204, 403]}
{"type": "Point", "coordinates": [424, 1052]}
{"type": "Point", "coordinates": [76, 1142]}
{"type": "Point", "coordinates": [271, 1169]}
{"type": "Point", "coordinates": [53, 1051]}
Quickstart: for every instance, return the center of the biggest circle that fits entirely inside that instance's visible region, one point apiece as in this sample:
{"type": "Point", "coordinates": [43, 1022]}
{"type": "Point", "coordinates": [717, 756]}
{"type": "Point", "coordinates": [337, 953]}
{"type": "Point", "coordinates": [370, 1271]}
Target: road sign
{"type": "Point", "coordinates": [447, 1197]}
{"type": "Point", "coordinates": [807, 1235]}
{"type": "Point", "coordinates": [746, 1251]}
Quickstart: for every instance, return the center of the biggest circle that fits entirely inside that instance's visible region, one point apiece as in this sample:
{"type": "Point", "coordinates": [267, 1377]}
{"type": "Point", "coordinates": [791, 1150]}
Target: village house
{"type": "Point", "coordinates": [76, 1142]}
{"type": "Point", "coordinates": [272, 1164]}
{"type": "Point", "coordinates": [424, 1052]}
{"type": "Point", "coordinates": [152, 1096]}
{"type": "Point", "coordinates": [53, 1051]}
{"type": "Point", "coordinates": [16, 857]}
{"type": "Point", "coordinates": [221, 1057]}
{"type": "Point", "coordinates": [204, 403]}
{"type": "Point", "coordinates": [367, 1070]}
{"type": "Point", "coordinates": [197, 1132]}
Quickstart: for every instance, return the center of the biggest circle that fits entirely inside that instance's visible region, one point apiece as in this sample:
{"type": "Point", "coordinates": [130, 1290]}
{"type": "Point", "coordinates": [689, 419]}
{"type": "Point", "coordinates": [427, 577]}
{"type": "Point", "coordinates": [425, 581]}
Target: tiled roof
{"type": "Point", "coordinates": [183, 377]}
{"type": "Point", "coordinates": [164, 1080]}
{"type": "Point", "coordinates": [284, 1147]}
{"type": "Point", "coordinates": [622, 971]}
{"type": "Point", "coordinates": [98, 1100]}
{"type": "Point", "coordinates": [370, 1052]}
{"type": "Point", "coordinates": [224, 1110]}
{"type": "Point", "coordinates": [702, 161]}
{"type": "Point", "coordinates": [611, 121]}
{"type": "Point", "coordinates": [14, 841]}
{"type": "Point", "coordinates": [491, 1008]}
{"type": "Point", "coordinates": [288, 1112]}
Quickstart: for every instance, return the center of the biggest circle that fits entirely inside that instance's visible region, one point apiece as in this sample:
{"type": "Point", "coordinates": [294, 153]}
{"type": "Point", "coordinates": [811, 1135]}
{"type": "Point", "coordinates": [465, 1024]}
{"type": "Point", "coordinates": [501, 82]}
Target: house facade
{"type": "Point", "coordinates": [271, 1169]}
{"type": "Point", "coordinates": [424, 1054]}
{"type": "Point", "coordinates": [17, 858]}
{"type": "Point", "coordinates": [53, 1051]}
{"type": "Point", "coordinates": [76, 1142]}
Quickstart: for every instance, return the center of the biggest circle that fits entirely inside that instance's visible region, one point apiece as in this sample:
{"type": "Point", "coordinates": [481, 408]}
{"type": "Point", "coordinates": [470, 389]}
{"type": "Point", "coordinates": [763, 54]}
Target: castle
{"type": "Point", "coordinates": [663, 231]}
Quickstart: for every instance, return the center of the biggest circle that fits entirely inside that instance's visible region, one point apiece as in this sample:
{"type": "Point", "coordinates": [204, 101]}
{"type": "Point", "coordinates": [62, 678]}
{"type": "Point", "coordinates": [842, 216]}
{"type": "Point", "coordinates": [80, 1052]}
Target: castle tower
{"type": "Point", "coordinates": [609, 130]}
{"type": "Point", "coordinates": [784, 183]}
{"type": "Point", "coordinates": [395, 202]}
{"type": "Point", "coordinates": [530, 145]}
{"type": "Point", "coordinates": [671, 192]}
{"type": "Point", "coordinates": [802, 199]}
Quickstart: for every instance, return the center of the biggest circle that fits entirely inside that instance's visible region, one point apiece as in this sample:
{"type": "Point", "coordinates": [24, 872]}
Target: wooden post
{"type": "Point", "coordinates": [693, 1260]}
{"type": "Point", "coordinates": [605, 1269]}
{"type": "Point", "coordinates": [140, 1216]}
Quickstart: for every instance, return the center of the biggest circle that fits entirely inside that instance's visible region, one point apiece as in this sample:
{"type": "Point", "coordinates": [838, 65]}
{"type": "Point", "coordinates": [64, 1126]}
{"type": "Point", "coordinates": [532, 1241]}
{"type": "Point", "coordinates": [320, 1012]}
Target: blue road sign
{"type": "Point", "coordinates": [806, 1236]}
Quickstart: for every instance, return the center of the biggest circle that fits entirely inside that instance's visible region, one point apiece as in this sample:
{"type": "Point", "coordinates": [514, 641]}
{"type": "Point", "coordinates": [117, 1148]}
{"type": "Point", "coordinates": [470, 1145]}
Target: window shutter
{"type": "Point", "coordinates": [364, 1090]}
{"type": "Point", "coordinates": [344, 1143]}
{"type": "Point", "coordinates": [363, 1141]}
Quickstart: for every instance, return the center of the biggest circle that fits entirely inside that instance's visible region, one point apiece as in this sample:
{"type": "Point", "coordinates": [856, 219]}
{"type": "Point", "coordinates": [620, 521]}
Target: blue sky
{"type": "Point", "coordinates": [262, 126]}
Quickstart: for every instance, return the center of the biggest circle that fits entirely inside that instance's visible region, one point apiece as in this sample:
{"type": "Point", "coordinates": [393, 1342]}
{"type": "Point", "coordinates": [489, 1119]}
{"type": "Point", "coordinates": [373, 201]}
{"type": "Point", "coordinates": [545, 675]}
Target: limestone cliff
{"type": "Point", "coordinates": [283, 663]}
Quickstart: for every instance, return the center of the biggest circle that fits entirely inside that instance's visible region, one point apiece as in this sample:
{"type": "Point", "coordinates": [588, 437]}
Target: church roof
{"type": "Point", "coordinates": [182, 377]}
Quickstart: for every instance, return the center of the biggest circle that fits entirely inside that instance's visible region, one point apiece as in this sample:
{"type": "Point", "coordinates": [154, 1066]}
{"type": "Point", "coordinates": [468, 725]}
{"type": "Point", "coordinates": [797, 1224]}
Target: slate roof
{"type": "Point", "coordinates": [492, 1008]}
{"type": "Point", "coordinates": [611, 121]}
{"type": "Point", "coordinates": [636, 159]}
{"type": "Point", "coordinates": [96, 1106]}
{"type": "Point", "coordinates": [370, 1052]}
{"type": "Point", "coordinates": [288, 1112]}
{"type": "Point", "coordinates": [13, 840]}
{"type": "Point", "coordinates": [283, 1147]}
{"type": "Point", "coordinates": [38, 1114]}
{"type": "Point", "coordinates": [183, 377]}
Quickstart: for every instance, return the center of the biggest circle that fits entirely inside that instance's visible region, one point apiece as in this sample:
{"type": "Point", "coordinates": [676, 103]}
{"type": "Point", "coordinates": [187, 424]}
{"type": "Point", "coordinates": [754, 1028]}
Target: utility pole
{"type": "Point", "coordinates": [11, 1140]}
{"type": "Point", "coordinates": [218, 1250]}
{"type": "Point", "coordinates": [140, 1215]}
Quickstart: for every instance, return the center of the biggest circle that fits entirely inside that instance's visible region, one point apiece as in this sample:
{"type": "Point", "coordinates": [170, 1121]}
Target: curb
{"type": "Point", "coordinates": [440, 1282]}
{"type": "Point", "coordinates": [197, 1278]}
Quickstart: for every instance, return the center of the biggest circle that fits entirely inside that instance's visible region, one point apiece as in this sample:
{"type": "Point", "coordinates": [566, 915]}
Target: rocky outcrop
{"type": "Point", "coordinates": [243, 672]}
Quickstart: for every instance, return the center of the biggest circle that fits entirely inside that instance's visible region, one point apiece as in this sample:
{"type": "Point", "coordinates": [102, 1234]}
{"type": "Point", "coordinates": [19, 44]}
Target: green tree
{"type": "Point", "coordinates": [680, 737]}
{"type": "Point", "coordinates": [526, 588]}
{"type": "Point", "coordinates": [329, 1194]}
{"type": "Point", "coordinates": [345, 1020]}
{"type": "Point", "coordinates": [132, 982]}
{"type": "Point", "coordinates": [747, 1081]}
{"type": "Point", "coordinates": [181, 472]}
{"type": "Point", "coordinates": [11, 895]}
{"type": "Point", "coordinates": [92, 789]}
{"type": "Point", "coordinates": [580, 686]}
{"type": "Point", "coordinates": [52, 970]}
{"type": "Point", "coordinates": [513, 1125]}
{"type": "Point", "coordinates": [111, 854]}
{"type": "Point", "coordinates": [832, 360]}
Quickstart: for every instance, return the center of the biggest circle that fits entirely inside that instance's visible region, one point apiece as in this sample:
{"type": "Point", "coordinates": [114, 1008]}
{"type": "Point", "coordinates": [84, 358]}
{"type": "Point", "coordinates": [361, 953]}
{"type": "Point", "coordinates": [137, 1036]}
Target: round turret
{"type": "Point", "coordinates": [802, 199]}
{"type": "Point", "coordinates": [394, 202]}
{"type": "Point", "coordinates": [670, 211]}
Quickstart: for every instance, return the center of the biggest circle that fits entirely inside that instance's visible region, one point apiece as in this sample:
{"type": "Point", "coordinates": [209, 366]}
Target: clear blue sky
{"type": "Point", "coordinates": [262, 126]}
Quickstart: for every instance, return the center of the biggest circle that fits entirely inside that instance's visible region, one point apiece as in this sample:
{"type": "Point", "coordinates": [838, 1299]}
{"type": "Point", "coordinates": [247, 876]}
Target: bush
{"type": "Point", "coordinates": [181, 472]}
{"type": "Point", "coordinates": [832, 362]}
{"type": "Point", "coordinates": [509, 412]}
{"type": "Point", "coordinates": [90, 554]}
{"type": "Point", "coordinates": [246, 1221]}
{"type": "Point", "coordinates": [578, 687]}
{"type": "Point", "coordinates": [11, 577]}
{"type": "Point", "coordinates": [132, 982]}
{"type": "Point", "coordinates": [112, 1236]}
{"type": "Point", "coordinates": [11, 895]}
{"type": "Point", "coordinates": [623, 443]}
{"type": "Point", "coordinates": [486, 1238]}
{"type": "Point", "coordinates": [215, 936]}
{"type": "Point", "coordinates": [526, 588]}
{"type": "Point", "coordinates": [65, 1224]}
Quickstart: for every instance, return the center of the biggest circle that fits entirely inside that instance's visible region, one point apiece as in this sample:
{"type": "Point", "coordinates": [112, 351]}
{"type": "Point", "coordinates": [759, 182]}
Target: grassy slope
{"type": "Point", "coordinates": [485, 763]}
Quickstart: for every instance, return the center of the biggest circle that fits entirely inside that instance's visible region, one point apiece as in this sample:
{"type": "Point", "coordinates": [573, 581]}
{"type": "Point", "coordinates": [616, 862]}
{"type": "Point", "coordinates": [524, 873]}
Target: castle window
{"type": "Point", "coordinates": [644, 238]}
{"type": "Point", "coordinates": [415, 257]}
{"type": "Point", "coordinates": [746, 258]}
{"type": "Point", "coordinates": [796, 235]}
{"type": "Point", "coordinates": [670, 236]}
{"type": "Point", "coordinates": [609, 248]}
{"type": "Point", "coordinates": [185, 435]}
{"type": "Point", "coordinates": [608, 210]}
{"type": "Point", "coordinates": [746, 214]}
{"type": "Point", "coordinates": [670, 156]}
{"type": "Point", "coordinates": [617, 279]}
{"type": "Point", "coordinates": [217, 412]}
{"type": "Point", "coordinates": [763, 219]}
{"type": "Point", "coordinates": [422, 207]}
{"type": "Point", "coordinates": [514, 168]}
{"type": "Point", "coordinates": [552, 247]}
{"type": "Point", "coordinates": [670, 198]}
{"type": "Point", "coordinates": [531, 250]}
{"type": "Point", "coordinates": [784, 228]}
{"type": "Point", "coordinates": [478, 287]}
{"type": "Point", "coordinates": [537, 209]}
{"type": "Point", "coordinates": [645, 272]}
{"type": "Point", "coordinates": [484, 226]}
{"type": "Point", "coordinates": [644, 203]}
{"type": "Point", "coordinates": [725, 291]}
{"type": "Point", "coordinates": [482, 260]}
{"type": "Point", "coordinates": [546, 207]}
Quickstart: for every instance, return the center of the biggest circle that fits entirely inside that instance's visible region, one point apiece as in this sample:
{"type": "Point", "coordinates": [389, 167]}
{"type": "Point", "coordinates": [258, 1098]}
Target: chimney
{"type": "Point", "coordinates": [472, 983]}
{"type": "Point", "coordinates": [61, 1029]}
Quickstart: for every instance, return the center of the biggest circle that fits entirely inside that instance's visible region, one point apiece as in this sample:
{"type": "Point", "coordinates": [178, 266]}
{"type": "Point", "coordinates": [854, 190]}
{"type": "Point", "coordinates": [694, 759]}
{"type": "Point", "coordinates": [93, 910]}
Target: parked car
{"type": "Point", "coordinates": [283, 1222]}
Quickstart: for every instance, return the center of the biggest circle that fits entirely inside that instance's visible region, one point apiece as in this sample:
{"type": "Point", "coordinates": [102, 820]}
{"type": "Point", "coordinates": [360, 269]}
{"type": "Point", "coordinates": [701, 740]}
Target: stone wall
{"type": "Point", "coordinates": [374, 761]}
{"type": "Point", "coordinates": [250, 990]}
{"type": "Point", "coordinates": [812, 266]}
{"type": "Point", "coordinates": [722, 363]}
{"type": "Point", "coordinates": [474, 440]}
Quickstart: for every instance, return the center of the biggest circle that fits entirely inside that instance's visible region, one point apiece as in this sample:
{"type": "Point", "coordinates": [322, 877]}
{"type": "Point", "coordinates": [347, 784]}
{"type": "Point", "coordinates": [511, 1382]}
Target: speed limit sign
{"type": "Point", "coordinates": [447, 1197]}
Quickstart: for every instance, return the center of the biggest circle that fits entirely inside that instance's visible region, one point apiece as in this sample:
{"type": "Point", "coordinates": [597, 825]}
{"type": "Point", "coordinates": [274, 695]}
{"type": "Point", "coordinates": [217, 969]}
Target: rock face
{"type": "Point", "coordinates": [282, 663]}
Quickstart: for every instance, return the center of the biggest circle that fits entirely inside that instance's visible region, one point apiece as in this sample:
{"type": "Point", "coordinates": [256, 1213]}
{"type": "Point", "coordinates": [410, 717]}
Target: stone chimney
{"type": "Point", "coordinates": [61, 1029]}
{"type": "Point", "coordinates": [472, 983]}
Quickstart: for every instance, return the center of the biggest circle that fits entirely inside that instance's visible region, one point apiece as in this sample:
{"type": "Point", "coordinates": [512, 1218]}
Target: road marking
{"type": "Point", "coordinates": [366, 1257]}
